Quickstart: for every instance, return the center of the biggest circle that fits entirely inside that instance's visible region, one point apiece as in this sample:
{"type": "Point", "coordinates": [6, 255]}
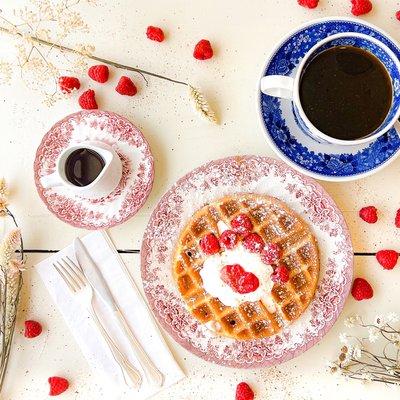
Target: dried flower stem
{"type": "Point", "coordinates": [67, 49]}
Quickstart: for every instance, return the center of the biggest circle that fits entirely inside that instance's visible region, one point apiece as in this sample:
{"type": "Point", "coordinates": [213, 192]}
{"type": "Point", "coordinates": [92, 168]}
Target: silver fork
{"type": "Point", "coordinates": [81, 289]}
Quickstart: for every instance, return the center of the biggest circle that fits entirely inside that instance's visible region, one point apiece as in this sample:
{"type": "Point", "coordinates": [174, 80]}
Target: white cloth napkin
{"type": "Point", "coordinates": [134, 308]}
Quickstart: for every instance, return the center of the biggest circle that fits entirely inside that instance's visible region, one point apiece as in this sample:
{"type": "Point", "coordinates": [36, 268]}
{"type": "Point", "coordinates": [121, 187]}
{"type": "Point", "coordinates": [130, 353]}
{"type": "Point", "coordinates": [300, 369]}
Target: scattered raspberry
{"type": "Point", "coordinates": [361, 289]}
{"type": "Point", "coordinates": [238, 279]}
{"type": "Point", "coordinates": [229, 239]}
{"type": "Point", "coordinates": [360, 7]}
{"type": "Point", "coordinates": [247, 283]}
{"type": "Point", "coordinates": [155, 33]}
{"type": "Point", "coordinates": [253, 242]}
{"type": "Point", "coordinates": [242, 224]}
{"type": "Point", "coordinates": [271, 253]}
{"type": "Point", "coordinates": [99, 73]}
{"type": "Point", "coordinates": [87, 100]}
{"type": "Point", "coordinates": [387, 258]}
{"type": "Point", "coordinates": [32, 329]}
{"type": "Point", "coordinates": [210, 244]}
{"type": "Point", "coordinates": [57, 385]}
{"type": "Point", "coordinates": [280, 274]}
{"type": "Point", "coordinates": [126, 87]}
{"type": "Point", "coordinates": [203, 50]}
{"type": "Point", "coordinates": [308, 3]}
{"type": "Point", "coordinates": [244, 392]}
{"type": "Point", "coordinates": [68, 83]}
{"type": "Point", "coordinates": [397, 219]}
{"type": "Point", "coordinates": [398, 15]}
{"type": "Point", "coordinates": [369, 214]}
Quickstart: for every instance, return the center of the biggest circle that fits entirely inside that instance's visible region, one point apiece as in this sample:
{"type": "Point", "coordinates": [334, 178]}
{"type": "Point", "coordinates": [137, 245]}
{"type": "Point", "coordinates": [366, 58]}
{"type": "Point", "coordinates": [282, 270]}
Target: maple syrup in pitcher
{"type": "Point", "coordinates": [83, 166]}
{"type": "Point", "coordinates": [346, 92]}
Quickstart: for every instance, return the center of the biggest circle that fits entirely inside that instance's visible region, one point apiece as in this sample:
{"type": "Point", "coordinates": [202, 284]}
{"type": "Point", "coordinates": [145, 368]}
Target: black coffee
{"type": "Point", "coordinates": [346, 92]}
{"type": "Point", "coordinates": [83, 166]}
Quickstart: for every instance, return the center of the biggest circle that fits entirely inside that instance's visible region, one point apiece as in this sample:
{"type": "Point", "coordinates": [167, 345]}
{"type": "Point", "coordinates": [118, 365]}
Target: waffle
{"type": "Point", "coordinates": [275, 223]}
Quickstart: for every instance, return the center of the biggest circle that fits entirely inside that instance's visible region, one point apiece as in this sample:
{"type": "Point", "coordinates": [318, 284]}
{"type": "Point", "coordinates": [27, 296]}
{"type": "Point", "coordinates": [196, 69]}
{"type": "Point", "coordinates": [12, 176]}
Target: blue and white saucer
{"type": "Point", "coordinates": [322, 161]}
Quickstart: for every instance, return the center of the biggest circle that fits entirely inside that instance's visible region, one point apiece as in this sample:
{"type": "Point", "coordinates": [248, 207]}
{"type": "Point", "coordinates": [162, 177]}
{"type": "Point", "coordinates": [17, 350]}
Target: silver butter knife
{"type": "Point", "coordinates": [96, 279]}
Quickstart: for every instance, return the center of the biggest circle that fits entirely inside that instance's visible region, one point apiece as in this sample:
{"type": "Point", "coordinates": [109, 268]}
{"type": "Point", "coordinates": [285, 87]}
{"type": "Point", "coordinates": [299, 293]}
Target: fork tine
{"type": "Point", "coordinates": [65, 278]}
{"type": "Point", "coordinates": [77, 269]}
{"type": "Point", "coordinates": [69, 274]}
{"type": "Point", "coordinates": [74, 271]}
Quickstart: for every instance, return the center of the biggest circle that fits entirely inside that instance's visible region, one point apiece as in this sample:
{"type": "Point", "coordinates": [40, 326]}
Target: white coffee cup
{"type": "Point", "coordinates": [103, 185]}
{"type": "Point", "coordinates": [287, 87]}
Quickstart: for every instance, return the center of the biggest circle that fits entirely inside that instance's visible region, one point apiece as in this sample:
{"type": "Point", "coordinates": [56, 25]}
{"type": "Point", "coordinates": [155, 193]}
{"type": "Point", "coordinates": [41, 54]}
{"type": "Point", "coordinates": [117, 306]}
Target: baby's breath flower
{"type": "Point", "coordinates": [352, 320]}
{"type": "Point", "coordinates": [356, 352]}
{"type": "Point", "coordinates": [392, 317]}
{"type": "Point", "coordinates": [344, 338]}
{"type": "Point", "coordinates": [373, 334]}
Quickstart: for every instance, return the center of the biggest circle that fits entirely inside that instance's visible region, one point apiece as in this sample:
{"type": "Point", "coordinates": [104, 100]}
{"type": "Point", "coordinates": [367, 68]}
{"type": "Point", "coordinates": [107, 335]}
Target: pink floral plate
{"type": "Point", "coordinates": [237, 175]}
{"type": "Point", "coordinates": [137, 169]}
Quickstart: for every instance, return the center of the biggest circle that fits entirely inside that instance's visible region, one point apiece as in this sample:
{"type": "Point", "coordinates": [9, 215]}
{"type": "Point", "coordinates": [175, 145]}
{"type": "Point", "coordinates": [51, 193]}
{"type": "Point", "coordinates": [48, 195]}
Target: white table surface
{"type": "Point", "coordinates": [242, 35]}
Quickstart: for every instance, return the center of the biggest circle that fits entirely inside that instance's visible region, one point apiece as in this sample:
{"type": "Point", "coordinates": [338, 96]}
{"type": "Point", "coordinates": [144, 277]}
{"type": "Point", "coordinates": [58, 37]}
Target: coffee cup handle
{"type": "Point", "coordinates": [51, 180]}
{"type": "Point", "coordinates": [277, 86]}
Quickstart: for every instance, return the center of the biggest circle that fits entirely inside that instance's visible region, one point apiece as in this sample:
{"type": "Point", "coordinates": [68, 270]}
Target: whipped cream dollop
{"type": "Point", "coordinates": [251, 262]}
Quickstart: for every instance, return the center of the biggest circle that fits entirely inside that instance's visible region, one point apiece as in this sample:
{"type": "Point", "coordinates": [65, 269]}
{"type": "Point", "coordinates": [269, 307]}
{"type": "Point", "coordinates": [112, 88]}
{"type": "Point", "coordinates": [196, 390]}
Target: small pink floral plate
{"type": "Point", "coordinates": [137, 169]}
{"type": "Point", "coordinates": [256, 175]}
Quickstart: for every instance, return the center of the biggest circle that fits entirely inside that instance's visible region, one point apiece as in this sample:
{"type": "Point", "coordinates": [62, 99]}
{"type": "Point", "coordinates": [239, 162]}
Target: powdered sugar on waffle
{"type": "Point", "coordinates": [240, 175]}
{"type": "Point", "coordinates": [137, 165]}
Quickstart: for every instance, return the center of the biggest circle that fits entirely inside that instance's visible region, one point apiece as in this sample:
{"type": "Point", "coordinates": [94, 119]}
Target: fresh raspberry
{"type": "Point", "coordinates": [360, 7]}
{"type": "Point", "coordinates": [244, 392]}
{"type": "Point", "coordinates": [87, 100]}
{"type": "Point", "coordinates": [68, 83]}
{"type": "Point", "coordinates": [99, 73]}
{"type": "Point", "coordinates": [155, 33]}
{"type": "Point", "coordinates": [361, 289]}
{"type": "Point", "coordinates": [228, 239]}
{"type": "Point", "coordinates": [126, 87]}
{"type": "Point", "coordinates": [242, 224]}
{"type": "Point", "coordinates": [387, 258]}
{"type": "Point", "coordinates": [238, 279]}
{"type": "Point", "coordinates": [369, 214]}
{"type": "Point", "coordinates": [230, 273]}
{"type": "Point", "coordinates": [398, 15]}
{"type": "Point", "coordinates": [32, 329]}
{"type": "Point", "coordinates": [210, 244]}
{"type": "Point", "coordinates": [308, 3]}
{"type": "Point", "coordinates": [397, 219]}
{"type": "Point", "coordinates": [253, 242]}
{"type": "Point", "coordinates": [271, 253]}
{"type": "Point", "coordinates": [203, 50]}
{"type": "Point", "coordinates": [58, 385]}
{"type": "Point", "coordinates": [280, 274]}
{"type": "Point", "coordinates": [247, 283]}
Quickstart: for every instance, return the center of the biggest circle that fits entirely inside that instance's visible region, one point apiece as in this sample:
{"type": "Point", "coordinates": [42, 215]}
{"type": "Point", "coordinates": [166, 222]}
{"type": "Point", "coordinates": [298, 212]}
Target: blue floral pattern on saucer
{"type": "Point", "coordinates": [324, 161]}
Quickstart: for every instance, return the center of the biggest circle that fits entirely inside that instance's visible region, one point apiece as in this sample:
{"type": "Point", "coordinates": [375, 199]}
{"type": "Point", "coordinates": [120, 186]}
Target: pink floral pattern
{"type": "Point", "coordinates": [137, 165]}
{"type": "Point", "coordinates": [233, 175]}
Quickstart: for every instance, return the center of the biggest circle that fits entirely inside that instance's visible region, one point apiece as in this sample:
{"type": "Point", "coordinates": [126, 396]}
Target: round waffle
{"type": "Point", "coordinates": [275, 223]}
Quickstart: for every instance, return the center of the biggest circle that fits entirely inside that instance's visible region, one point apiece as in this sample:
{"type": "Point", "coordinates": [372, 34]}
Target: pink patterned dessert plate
{"type": "Point", "coordinates": [137, 169]}
{"type": "Point", "coordinates": [252, 174]}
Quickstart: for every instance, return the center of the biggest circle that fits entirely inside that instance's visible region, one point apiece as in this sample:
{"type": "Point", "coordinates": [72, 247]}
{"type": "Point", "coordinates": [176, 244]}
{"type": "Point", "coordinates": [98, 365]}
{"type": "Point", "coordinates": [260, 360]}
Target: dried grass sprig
{"type": "Point", "coordinates": [202, 105]}
{"type": "Point", "coordinates": [11, 266]}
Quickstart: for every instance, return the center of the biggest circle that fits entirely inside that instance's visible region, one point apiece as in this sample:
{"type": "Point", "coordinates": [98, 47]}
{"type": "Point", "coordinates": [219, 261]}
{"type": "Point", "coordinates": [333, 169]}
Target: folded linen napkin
{"type": "Point", "coordinates": [132, 305]}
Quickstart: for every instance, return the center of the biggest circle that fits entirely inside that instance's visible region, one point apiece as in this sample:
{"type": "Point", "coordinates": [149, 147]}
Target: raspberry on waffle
{"type": "Point", "coordinates": [285, 301]}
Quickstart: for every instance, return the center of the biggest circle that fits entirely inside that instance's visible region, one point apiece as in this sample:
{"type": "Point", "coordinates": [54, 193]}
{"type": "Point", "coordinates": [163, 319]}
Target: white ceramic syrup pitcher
{"type": "Point", "coordinates": [103, 185]}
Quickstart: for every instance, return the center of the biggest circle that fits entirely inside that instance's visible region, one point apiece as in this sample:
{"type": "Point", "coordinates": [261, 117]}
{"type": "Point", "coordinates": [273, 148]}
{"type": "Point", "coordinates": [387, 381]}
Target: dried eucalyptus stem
{"type": "Point", "coordinates": [357, 361]}
{"type": "Point", "coordinates": [11, 266]}
{"type": "Point", "coordinates": [34, 36]}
